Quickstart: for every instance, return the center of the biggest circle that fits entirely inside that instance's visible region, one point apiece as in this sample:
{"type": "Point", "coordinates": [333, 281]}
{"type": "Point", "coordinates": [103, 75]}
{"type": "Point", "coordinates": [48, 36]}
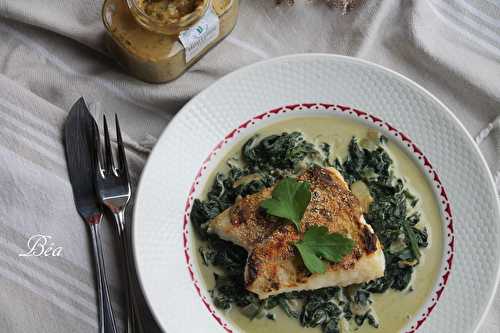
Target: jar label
{"type": "Point", "coordinates": [196, 38]}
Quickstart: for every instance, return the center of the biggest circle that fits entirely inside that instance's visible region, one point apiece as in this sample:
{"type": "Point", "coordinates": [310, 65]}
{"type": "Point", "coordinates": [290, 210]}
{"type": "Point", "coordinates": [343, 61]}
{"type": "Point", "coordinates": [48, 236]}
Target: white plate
{"type": "Point", "coordinates": [210, 123]}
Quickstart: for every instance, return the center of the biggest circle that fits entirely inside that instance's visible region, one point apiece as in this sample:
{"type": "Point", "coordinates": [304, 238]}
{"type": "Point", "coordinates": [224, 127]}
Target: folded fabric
{"type": "Point", "coordinates": [52, 53]}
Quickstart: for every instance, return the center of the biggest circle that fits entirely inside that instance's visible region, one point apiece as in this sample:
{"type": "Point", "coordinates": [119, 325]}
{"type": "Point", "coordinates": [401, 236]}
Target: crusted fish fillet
{"type": "Point", "coordinates": [274, 265]}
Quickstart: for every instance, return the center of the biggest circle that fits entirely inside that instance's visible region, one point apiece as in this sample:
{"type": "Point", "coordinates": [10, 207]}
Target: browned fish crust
{"type": "Point", "coordinates": [332, 205]}
{"type": "Point", "coordinates": [250, 223]}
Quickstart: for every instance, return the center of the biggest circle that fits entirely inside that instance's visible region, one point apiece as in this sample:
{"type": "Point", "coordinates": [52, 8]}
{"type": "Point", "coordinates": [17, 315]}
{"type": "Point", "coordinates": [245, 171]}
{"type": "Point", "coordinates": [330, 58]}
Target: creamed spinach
{"type": "Point", "coordinates": [266, 160]}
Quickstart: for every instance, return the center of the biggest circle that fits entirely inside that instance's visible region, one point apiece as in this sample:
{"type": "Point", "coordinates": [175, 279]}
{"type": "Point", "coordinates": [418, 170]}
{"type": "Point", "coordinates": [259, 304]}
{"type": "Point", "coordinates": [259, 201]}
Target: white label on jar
{"type": "Point", "coordinates": [196, 38]}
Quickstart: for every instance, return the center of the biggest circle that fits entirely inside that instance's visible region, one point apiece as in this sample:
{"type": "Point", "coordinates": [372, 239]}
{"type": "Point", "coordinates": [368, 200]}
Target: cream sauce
{"type": "Point", "coordinates": [393, 309]}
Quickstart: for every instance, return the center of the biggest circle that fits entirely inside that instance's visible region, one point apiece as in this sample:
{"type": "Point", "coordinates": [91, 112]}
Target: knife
{"type": "Point", "coordinates": [79, 143]}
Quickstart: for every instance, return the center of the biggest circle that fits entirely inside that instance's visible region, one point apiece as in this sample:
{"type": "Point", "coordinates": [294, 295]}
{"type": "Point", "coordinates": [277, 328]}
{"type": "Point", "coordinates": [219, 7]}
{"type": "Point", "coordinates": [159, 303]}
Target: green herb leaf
{"type": "Point", "coordinates": [412, 238]}
{"type": "Point", "coordinates": [289, 200]}
{"type": "Point", "coordinates": [318, 244]}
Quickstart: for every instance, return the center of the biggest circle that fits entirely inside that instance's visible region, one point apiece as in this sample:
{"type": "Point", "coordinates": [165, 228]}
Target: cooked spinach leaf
{"type": "Point", "coordinates": [277, 153]}
{"type": "Point", "coordinates": [388, 214]}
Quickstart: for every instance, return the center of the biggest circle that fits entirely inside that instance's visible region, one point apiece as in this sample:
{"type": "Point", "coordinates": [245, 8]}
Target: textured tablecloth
{"type": "Point", "coordinates": [51, 53]}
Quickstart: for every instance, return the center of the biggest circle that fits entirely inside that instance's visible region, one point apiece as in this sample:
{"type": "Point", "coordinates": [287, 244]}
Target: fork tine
{"type": "Point", "coordinates": [122, 159]}
{"type": "Point", "coordinates": [108, 154]}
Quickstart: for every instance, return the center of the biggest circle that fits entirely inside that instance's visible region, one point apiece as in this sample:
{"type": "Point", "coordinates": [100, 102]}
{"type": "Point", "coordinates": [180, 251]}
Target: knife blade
{"type": "Point", "coordinates": [79, 143]}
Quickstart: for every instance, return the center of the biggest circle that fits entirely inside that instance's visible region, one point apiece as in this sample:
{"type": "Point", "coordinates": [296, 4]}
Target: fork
{"type": "Point", "coordinates": [113, 190]}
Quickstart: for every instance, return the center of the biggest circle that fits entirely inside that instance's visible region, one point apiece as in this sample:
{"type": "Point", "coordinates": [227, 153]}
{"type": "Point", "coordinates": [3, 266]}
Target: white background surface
{"type": "Point", "coordinates": [51, 52]}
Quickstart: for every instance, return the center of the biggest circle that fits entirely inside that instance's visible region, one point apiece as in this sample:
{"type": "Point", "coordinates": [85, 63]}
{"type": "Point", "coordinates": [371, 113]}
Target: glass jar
{"type": "Point", "coordinates": [157, 44]}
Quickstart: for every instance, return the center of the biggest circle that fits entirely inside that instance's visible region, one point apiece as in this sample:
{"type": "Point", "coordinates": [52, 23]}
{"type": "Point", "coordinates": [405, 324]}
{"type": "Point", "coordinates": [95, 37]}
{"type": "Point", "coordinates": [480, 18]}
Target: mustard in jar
{"type": "Point", "coordinates": [157, 40]}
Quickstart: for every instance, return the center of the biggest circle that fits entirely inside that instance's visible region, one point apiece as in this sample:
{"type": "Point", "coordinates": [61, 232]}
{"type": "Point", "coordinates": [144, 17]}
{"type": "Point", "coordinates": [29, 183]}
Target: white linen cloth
{"type": "Point", "coordinates": [51, 53]}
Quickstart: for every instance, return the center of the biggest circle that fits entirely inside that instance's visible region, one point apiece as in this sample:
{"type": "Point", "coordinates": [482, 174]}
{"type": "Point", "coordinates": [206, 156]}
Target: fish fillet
{"type": "Point", "coordinates": [274, 265]}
